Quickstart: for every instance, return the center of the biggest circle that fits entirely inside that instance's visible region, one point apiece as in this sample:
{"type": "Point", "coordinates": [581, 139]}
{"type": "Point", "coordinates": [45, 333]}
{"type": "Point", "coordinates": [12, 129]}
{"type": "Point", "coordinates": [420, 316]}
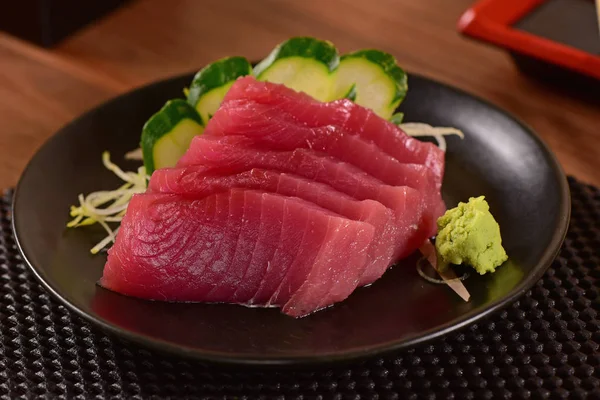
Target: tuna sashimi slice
{"type": "Point", "coordinates": [239, 241]}
{"type": "Point", "coordinates": [228, 155]}
{"type": "Point", "coordinates": [329, 281]}
{"type": "Point", "coordinates": [222, 268]}
{"type": "Point", "coordinates": [263, 126]}
{"type": "Point", "coordinates": [343, 113]}
{"type": "Point", "coordinates": [166, 244]}
{"type": "Point", "coordinates": [268, 236]}
{"type": "Point", "coordinates": [195, 182]}
{"type": "Point", "coordinates": [299, 271]}
{"type": "Point", "coordinates": [294, 223]}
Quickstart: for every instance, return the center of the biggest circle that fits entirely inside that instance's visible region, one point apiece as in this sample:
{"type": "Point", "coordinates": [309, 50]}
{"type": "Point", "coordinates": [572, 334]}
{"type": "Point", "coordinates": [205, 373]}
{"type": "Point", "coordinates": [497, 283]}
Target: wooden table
{"type": "Point", "coordinates": [41, 90]}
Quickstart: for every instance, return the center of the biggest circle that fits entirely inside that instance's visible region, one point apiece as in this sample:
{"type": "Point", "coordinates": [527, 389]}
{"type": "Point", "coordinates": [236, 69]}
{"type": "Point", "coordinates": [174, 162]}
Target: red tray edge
{"type": "Point", "coordinates": [490, 20]}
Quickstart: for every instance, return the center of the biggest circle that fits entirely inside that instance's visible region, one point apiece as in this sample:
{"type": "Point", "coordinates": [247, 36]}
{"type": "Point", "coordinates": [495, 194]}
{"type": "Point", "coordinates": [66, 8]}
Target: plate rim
{"type": "Point", "coordinates": [330, 358]}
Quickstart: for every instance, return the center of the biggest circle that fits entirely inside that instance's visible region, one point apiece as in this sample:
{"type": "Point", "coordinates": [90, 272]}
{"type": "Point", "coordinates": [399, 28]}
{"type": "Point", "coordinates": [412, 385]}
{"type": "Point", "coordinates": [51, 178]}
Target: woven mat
{"type": "Point", "coordinates": [546, 345]}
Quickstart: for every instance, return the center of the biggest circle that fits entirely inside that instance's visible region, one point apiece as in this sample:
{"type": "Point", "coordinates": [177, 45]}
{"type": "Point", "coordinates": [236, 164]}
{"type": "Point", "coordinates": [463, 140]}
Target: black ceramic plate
{"type": "Point", "coordinates": [499, 158]}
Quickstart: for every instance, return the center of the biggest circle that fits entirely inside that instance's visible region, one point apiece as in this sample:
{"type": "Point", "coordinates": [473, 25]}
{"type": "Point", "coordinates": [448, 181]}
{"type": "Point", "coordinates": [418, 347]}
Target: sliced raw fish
{"type": "Point", "coordinates": [294, 222]}
{"type": "Point", "coordinates": [284, 202]}
{"type": "Point", "coordinates": [196, 182]}
{"type": "Point", "coordinates": [265, 127]}
{"type": "Point", "coordinates": [268, 236]}
{"type": "Point", "coordinates": [229, 155]}
{"type": "Point", "coordinates": [167, 244]}
{"type": "Point", "coordinates": [239, 240]}
{"type": "Point", "coordinates": [344, 113]}
{"type": "Point", "coordinates": [329, 280]}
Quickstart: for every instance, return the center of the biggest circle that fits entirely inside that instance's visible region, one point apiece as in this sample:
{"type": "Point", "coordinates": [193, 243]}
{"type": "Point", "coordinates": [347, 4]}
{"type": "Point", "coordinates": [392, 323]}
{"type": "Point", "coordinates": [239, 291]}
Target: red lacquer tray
{"type": "Point", "coordinates": [496, 22]}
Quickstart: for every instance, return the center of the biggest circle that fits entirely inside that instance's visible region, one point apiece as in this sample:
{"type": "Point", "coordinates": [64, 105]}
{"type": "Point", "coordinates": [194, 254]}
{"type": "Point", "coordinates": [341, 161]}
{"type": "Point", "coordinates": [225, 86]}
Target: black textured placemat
{"type": "Point", "coordinates": [546, 345]}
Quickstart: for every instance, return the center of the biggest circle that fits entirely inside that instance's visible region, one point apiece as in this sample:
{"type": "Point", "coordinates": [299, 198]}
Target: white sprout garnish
{"type": "Point", "coordinates": [422, 262]}
{"type": "Point", "coordinates": [447, 274]}
{"type": "Point", "coordinates": [416, 129]}
{"type": "Point", "coordinates": [135, 155]}
{"type": "Point", "coordinates": [108, 206]}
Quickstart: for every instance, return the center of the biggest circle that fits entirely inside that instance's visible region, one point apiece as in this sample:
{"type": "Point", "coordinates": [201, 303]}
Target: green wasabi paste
{"type": "Point", "coordinates": [469, 234]}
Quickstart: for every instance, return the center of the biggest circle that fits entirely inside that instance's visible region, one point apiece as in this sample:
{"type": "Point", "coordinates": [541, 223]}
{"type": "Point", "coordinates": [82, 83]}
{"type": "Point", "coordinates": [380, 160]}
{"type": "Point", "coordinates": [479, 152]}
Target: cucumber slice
{"type": "Point", "coordinates": [303, 64]}
{"type": "Point", "coordinates": [397, 118]}
{"type": "Point", "coordinates": [212, 82]}
{"type": "Point", "coordinates": [351, 94]}
{"type": "Point", "coordinates": [168, 133]}
{"type": "Point", "coordinates": [381, 84]}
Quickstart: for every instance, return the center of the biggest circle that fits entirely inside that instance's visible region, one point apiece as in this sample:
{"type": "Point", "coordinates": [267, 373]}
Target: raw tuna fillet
{"type": "Point", "coordinates": [169, 248]}
{"type": "Point", "coordinates": [265, 126]}
{"type": "Point", "coordinates": [343, 113]}
{"type": "Point", "coordinates": [284, 201]}
{"type": "Point", "coordinates": [237, 278]}
{"type": "Point", "coordinates": [195, 182]}
{"type": "Point", "coordinates": [228, 155]}
{"type": "Point", "coordinates": [330, 279]}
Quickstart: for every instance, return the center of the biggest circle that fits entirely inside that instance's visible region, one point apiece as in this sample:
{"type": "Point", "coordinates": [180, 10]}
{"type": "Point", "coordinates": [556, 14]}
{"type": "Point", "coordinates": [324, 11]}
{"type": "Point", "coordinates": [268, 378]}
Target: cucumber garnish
{"type": "Point", "coordinates": [168, 133]}
{"type": "Point", "coordinates": [303, 64]}
{"type": "Point", "coordinates": [212, 82]}
{"type": "Point", "coordinates": [381, 84]}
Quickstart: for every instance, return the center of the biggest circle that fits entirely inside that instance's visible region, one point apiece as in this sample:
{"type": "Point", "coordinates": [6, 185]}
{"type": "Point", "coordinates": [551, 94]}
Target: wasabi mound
{"type": "Point", "coordinates": [469, 234]}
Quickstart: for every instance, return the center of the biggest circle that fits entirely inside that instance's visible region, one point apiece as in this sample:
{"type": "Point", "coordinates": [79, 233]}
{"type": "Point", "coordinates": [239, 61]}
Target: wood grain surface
{"type": "Point", "coordinates": [41, 90]}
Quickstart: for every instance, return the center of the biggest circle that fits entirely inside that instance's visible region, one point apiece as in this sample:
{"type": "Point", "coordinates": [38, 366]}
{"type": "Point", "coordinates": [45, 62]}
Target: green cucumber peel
{"type": "Point", "coordinates": [161, 123]}
{"type": "Point", "coordinates": [306, 47]}
{"type": "Point", "coordinates": [351, 95]}
{"type": "Point", "coordinates": [216, 75]}
{"type": "Point", "coordinates": [397, 118]}
{"type": "Point", "coordinates": [389, 65]}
